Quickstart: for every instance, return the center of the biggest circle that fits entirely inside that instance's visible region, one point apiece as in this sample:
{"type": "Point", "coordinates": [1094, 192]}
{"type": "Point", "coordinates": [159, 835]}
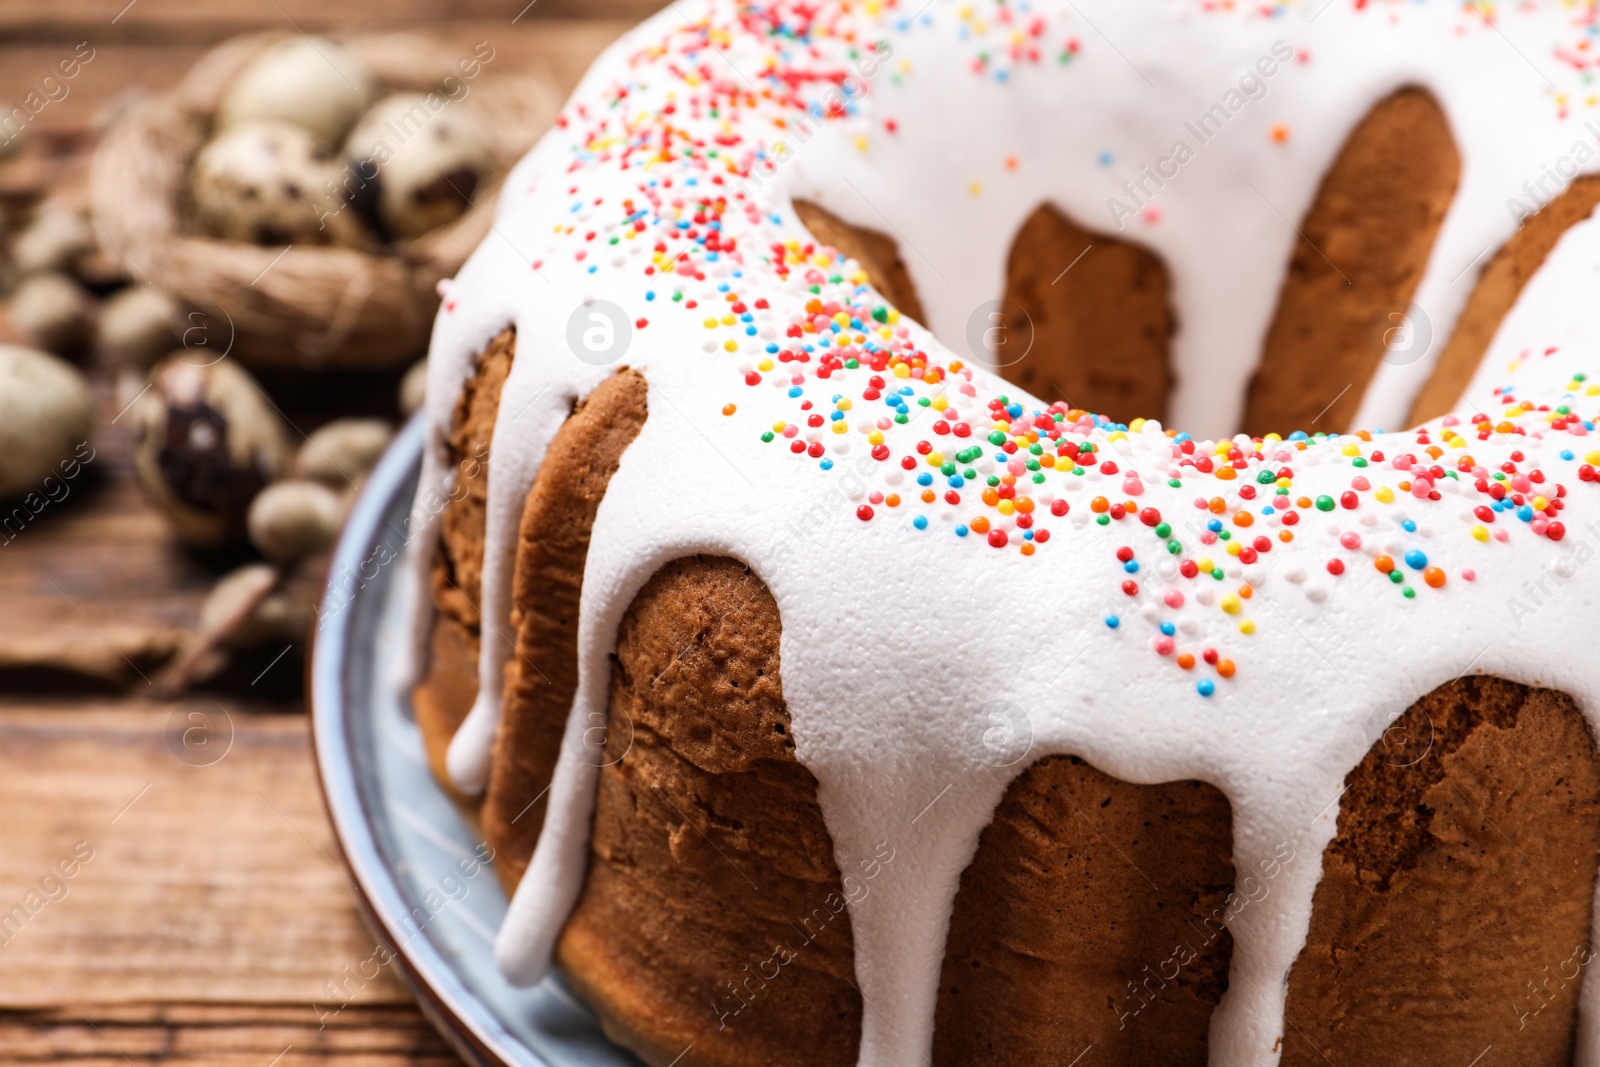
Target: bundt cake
{"type": "Point", "coordinates": [849, 665]}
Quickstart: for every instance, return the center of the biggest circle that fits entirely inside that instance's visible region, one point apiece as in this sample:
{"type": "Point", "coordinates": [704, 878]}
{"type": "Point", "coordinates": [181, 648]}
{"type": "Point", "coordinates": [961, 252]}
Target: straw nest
{"type": "Point", "coordinates": [308, 306]}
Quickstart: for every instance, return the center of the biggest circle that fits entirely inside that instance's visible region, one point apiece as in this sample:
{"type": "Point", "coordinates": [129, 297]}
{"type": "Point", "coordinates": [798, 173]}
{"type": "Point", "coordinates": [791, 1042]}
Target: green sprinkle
{"type": "Point", "coordinates": [1324, 503]}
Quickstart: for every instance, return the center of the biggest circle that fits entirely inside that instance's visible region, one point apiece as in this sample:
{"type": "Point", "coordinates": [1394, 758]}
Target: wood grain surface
{"type": "Point", "coordinates": [212, 921]}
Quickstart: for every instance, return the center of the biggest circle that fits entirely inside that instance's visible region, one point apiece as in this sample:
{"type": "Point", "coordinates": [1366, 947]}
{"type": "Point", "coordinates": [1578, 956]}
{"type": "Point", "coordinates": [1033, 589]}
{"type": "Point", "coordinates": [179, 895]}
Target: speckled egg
{"type": "Point", "coordinates": [269, 183]}
{"type": "Point", "coordinates": [46, 414]}
{"type": "Point", "coordinates": [307, 81]}
{"type": "Point", "coordinates": [424, 155]}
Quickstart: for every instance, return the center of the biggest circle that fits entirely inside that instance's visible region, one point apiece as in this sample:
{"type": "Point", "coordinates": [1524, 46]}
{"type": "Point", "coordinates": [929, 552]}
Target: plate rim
{"type": "Point", "coordinates": [378, 894]}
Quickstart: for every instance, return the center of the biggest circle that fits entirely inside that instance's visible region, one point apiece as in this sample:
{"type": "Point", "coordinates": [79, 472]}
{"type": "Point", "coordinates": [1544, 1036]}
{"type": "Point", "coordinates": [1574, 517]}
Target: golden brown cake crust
{"type": "Point", "coordinates": [1497, 290]}
{"type": "Point", "coordinates": [1099, 315]}
{"type": "Point", "coordinates": [542, 673]}
{"type": "Point", "coordinates": [1362, 251]}
{"type": "Point", "coordinates": [713, 915]}
{"type": "Point", "coordinates": [878, 254]}
{"type": "Point", "coordinates": [1092, 915]}
{"type": "Point", "coordinates": [449, 683]}
{"type": "Point", "coordinates": [1454, 907]}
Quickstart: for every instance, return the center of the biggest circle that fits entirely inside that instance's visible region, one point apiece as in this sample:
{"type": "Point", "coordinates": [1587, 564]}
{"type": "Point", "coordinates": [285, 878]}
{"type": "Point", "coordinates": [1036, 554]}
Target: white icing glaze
{"type": "Point", "coordinates": [895, 639]}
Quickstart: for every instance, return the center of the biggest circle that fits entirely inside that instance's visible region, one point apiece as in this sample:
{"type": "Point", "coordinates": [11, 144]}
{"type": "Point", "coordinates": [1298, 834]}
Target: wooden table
{"type": "Point", "coordinates": [207, 914]}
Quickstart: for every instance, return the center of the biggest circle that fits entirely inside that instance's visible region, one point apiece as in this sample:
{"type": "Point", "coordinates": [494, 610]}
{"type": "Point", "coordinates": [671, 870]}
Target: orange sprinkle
{"type": "Point", "coordinates": [1186, 660]}
{"type": "Point", "coordinates": [1099, 505]}
{"type": "Point", "coordinates": [1243, 518]}
{"type": "Point", "coordinates": [1384, 564]}
{"type": "Point", "coordinates": [729, 409]}
{"type": "Point", "coordinates": [980, 525]}
{"type": "Point", "coordinates": [1217, 505]}
{"type": "Point", "coordinates": [1027, 548]}
{"type": "Point", "coordinates": [892, 500]}
{"type": "Point", "coordinates": [1280, 132]}
{"type": "Point", "coordinates": [1285, 536]}
{"type": "Point", "coordinates": [1434, 577]}
{"type": "Point", "coordinates": [927, 496]}
{"type": "Point", "coordinates": [1225, 668]}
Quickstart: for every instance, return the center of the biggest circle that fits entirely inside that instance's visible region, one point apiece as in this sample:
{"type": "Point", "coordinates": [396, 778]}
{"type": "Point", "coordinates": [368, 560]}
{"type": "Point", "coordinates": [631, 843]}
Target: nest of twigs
{"type": "Point", "coordinates": [312, 306]}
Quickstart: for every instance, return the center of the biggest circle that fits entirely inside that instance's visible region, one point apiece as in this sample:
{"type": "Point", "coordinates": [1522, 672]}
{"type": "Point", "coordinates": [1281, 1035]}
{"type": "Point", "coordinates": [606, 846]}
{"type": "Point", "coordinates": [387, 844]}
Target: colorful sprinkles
{"type": "Point", "coordinates": [941, 456]}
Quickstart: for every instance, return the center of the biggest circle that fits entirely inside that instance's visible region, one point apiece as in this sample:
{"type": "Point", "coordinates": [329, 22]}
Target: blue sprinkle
{"type": "Point", "coordinates": [1027, 535]}
{"type": "Point", "coordinates": [1416, 559]}
{"type": "Point", "coordinates": [772, 349]}
{"type": "Point", "coordinates": [1132, 566]}
{"type": "Point", "coordinates": [1014, 409]}
{"type": "Point", "coordinates": [1206, 687]}
{"type": "Point", "coordinates": [1525, 513]}
{"type": "Point", "coordinates": [1409, 526]}
{"type": "Point", "coordinates": [1566, 453]}
{"type": "Point", "coordinates": [961, 531]}
{"type": "Point", "coordinates": [1113, 622]}
{"type": "Point", "coordinates": [1168, 629]}
{"type": "Point", "coordinates": [795, 390]}
{"type": "Point", "coordinates": [924, 478]}
{"type": "Point", "coordinates": [1215, 525]}
{"type": "Point", "coordinates": [956, 481]}
{"type": "Point", "coordinates": [920, 522]}
{"type": "Point", "coordinates": [826, 464]}
{"type": "Point", "coordinates": [651, 295]}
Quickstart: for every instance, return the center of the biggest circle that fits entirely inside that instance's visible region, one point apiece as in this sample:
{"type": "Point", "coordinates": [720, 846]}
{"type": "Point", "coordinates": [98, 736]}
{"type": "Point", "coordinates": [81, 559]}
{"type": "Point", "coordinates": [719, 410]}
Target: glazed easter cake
{"type": "Point", "coordinates": [848, 663]}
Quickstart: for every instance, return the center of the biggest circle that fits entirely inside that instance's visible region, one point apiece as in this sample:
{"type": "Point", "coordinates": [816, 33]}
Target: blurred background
{"type": "Point", "coordinates": [221, 222]}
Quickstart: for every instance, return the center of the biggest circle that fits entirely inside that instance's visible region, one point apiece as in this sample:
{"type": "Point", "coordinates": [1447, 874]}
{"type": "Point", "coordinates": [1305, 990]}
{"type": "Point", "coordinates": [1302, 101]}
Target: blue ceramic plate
{"type": "Point", "coordinates": [413, 856]}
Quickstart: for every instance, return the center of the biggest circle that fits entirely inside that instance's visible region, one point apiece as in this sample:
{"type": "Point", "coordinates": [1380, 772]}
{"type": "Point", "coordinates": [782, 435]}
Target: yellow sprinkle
{"type": "Point", "coordinates": [843, 404]}
{"type": "Point", "coordinates": [764, 365]}
{"type": "Point", "coordinates": [975, 188]}
{"type": "Point", "coordinates": [1284, 483]}
{"type": "Point", "coordinates": [1480, 533]}
{"type": "Point", "coordinates": [1384, 494]}
{"type": "Point", "coordinates": [1234, 548]}
{"type": "Point", "coordinates": [875, 437]}
{"type": "Point", "coordinates": [1247, 627]}
{"type": "Point", "coordinates": [778, 427]}
{"type": "Point", "coordinates": [711, 322]}
{"type": "Point", "coordinates": [1230, 604]}
{"type": "Point", "coordinates": [1351, 450]}
{"type": "Point", "coordinates": [840, 427]}
{"type": "Point", "coordinates": [935, 459]}
{"type": "Point", "coordinates": [730, 346]}
{"type": "Point", "coordinates": [1540, 503]}
{"type": "Point", "coordinates": [902, 370]}
{"type": "Point", "coordinates": [1592, 457]}
{"type": "Point", "coordinates": [1006, 507]}
{"type": "Point", "coordinates": [940, 403]}
{"type": "Point", "coordinates": [1205, 566]}
{"type": "Point", "coordinates": [861, 143]}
